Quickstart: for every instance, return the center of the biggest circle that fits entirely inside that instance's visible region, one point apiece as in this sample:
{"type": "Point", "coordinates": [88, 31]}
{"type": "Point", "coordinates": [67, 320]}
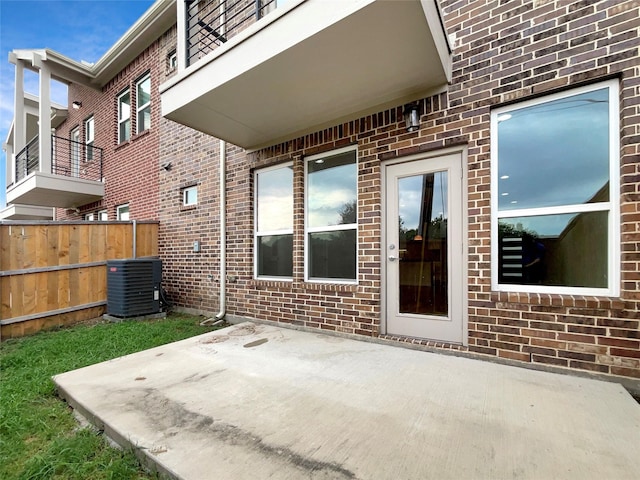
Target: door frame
{"type": "Point", "coordinates": [464, 220]}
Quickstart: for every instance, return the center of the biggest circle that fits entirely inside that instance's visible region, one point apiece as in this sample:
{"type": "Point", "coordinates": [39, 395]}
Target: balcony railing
{"type": "Point", "coordinates": [68, 158]}
{"type": "Point", "coordinates": [210, 23]}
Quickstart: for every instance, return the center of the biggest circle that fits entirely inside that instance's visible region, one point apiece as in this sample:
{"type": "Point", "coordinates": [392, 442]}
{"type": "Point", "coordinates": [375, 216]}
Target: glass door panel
{"type": "Point", "coordinates": [423, 238]}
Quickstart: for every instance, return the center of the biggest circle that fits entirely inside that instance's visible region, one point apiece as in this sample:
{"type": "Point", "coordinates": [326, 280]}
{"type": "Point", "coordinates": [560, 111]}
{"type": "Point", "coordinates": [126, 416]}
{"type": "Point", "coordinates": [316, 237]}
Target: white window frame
{"type": "Point", "coordinates": [190, 192]}
{"type": "Point", "coordinates": [119, 212]}
{"type": "Point", "coordinates": [173, 61]}
{"type": "Point", "coordinates": [103, 216]}
{"type": "Point", "coordinates": [333, 228]}
{"type": "Point", "coordinates": [257, 234]}
{"type": "Point", "coordinates": [141, 108]}
{"type": "Point", "coordinates": [89, 217]}
{"type": "Point", "coordinates": [612, 206]}
{"type": "Point", "coordinates": [121, 118]}
{"type": "Point", "coordinates": [89, 139]}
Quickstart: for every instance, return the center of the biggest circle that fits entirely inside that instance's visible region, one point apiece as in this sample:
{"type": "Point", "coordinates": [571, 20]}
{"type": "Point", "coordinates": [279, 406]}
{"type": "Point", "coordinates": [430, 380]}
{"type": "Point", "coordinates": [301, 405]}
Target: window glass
{"type": "Point", "coordinates": [143, 98]}
{"type": "Point", "coordinates": [275, 256]}
{"type": "Point", "coordinates": [554, 218]}
{"type": "Point", "coordinates": [103, 216]}
{"type": "Point", "coordinates": [124, 117]}
{"type": "Point", "coordinates": [274, 222]}
{"type": "Point", "coordinates": [332, 255]}
{"type": "Point", "coordinates": [332, 190]}
{"type": "Point", "coordinates": [123, 212]}
{"type": "Point", "coordinates": [331, 216]}
{"type": "Point", "coordinates": [275, 199]}
{"type": "Point", "coordinates": [89, 135]}
{"type": "Point", "coordinates": [190, 196]}
{"type": "Point", "coordinates": [562, 250]}
{"type": "Point", "coordinates": [555, 153]}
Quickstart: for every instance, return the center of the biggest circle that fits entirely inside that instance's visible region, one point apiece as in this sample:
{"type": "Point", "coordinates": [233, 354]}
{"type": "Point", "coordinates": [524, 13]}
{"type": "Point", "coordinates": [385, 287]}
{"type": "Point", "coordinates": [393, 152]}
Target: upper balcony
{"type": "Point", "coordinates": [68, 176]}
{"type": "Point", "coordinates": [263, 71]}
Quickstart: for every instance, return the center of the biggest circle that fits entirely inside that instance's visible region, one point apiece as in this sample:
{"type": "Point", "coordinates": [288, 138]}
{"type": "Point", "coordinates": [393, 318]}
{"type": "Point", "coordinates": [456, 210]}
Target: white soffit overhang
{"type": "Point", "coordinates": [316, 65]}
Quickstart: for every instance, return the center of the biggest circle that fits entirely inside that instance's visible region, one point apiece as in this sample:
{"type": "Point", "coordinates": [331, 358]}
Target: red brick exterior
{"type": "Point", "coordinates": [503, 51]}
{"type": "Point", "coordinates": [130, 168]}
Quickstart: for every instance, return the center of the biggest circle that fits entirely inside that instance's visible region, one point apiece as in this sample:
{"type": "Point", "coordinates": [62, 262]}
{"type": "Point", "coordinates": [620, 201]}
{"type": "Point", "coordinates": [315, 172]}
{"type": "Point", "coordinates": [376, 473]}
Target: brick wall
{"type": "Point", "coordinates": [503, 51]}
{"type": "Point", "coordinates": [130, 168]}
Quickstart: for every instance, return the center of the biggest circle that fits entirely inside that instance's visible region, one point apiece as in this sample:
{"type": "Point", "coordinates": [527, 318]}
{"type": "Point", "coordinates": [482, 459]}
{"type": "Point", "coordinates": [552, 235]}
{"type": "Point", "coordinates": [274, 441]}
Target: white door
{"type": "Point", "coordinates": [423, 249]}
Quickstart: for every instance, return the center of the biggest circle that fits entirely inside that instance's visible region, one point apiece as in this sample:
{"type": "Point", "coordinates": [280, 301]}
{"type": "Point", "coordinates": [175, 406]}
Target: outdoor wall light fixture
{"type": "Point", "coordinates": [76, 105]}
{"type": "Point", "coordinates": [167, 166]}
{"type": "Point", "coordinates": [411, 117]}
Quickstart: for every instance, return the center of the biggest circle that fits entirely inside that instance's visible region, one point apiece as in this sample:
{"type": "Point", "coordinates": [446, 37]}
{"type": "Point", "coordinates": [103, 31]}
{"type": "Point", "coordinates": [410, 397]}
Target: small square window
{"type": "Point", "coordinates": [103, 216]}
{"type": "Point", "coordinates": [190, 196]}
{"type": "Point", "coordinates": [122, 212]}
{"type": "Point", "coordinates": [90, 217]}
{"type": "Point", "coordinates": [172, 61]}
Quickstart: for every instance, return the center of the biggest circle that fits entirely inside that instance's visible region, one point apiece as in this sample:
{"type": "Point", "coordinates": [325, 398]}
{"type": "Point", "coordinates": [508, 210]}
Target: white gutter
{"type": "Point", "coordinates": [223, 238]}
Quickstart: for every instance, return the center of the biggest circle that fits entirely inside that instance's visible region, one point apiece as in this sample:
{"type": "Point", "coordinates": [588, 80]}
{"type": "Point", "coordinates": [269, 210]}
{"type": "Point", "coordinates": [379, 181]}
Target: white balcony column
{"type": "Point", "coordinates": [44, 115]}
{"type": "Point", "coordinates": [181, 46]}
{"type": "Point", "coordinates": [10, 163]}
{"type": "Point", "coordinates": [19, 118]}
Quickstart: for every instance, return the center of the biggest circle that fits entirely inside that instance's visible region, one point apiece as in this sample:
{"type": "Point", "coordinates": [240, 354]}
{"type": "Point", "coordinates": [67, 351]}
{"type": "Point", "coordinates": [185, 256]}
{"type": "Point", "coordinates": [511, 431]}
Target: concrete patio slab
{"type": "Point", "coordinates": [255, 401]}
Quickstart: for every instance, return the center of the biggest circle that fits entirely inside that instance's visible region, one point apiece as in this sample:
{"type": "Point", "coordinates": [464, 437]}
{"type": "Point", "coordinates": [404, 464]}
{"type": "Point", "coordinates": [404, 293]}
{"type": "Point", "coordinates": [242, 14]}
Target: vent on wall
{"type": "Point", "coordinates": [133, 287]}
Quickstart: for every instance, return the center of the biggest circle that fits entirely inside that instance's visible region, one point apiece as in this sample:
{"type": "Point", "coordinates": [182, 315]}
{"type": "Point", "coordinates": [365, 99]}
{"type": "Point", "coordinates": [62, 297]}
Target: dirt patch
{"type": "Point", "coordinates": [245, 329]}
{"type": "Point", "coordinates": [215, 339]}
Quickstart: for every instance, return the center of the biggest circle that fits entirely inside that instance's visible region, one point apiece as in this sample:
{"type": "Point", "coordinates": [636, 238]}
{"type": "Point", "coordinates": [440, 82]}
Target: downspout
{"type": "Point", "coordinates": [135, 240]}
{"type": "Point", "coordinates": [223, 239]}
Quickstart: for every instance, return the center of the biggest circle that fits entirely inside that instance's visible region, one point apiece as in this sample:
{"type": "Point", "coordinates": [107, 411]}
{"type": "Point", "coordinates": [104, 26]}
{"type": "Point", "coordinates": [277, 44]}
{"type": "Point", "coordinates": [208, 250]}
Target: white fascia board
{"type": "Point", "coordinates": [155, 21]}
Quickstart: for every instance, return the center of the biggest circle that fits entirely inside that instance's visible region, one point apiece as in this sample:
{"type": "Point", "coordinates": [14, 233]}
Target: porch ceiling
{"type": "Point", "coordinates": [312, 67]}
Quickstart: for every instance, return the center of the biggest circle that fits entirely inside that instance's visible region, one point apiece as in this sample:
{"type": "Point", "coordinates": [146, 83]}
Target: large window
{"type": "Point", "coordinates": [331, 228]}
{"type": "Point", "coordinates": [143, 102]}
{"type": "Point", "coordinates": [555, 193]}
{"type": "Point", "coordinates": [124, 116]}
{"type": "Point", "coordinates": [89, 138]}
{"type": "Point", "coordinates": [274, 222]}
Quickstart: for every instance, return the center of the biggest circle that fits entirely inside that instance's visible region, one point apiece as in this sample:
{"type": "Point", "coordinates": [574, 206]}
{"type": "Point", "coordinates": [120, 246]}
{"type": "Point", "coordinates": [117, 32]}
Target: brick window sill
{"type": "Point", "coordinates": [557, 300]}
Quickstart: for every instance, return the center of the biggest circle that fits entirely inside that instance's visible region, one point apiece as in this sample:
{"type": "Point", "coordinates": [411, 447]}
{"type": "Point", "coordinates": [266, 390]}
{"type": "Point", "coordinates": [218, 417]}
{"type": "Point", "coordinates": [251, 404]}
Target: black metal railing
{"type": "Point", "coordinates": [210, 23]}
{"type": "Point", "coordinates": [28, 159]}
{"type": "Point", "coordinates": [68, 158]}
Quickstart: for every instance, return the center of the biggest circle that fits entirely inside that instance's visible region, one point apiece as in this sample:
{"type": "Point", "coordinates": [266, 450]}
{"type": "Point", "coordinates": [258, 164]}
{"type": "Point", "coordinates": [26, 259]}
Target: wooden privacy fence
{"type": "Point", "coordinates": [54, 273]}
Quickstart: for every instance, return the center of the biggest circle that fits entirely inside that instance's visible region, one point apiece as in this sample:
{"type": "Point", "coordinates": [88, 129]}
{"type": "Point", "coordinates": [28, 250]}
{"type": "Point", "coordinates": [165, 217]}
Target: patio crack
{"type": "Point", "coordinates": [171, 417]}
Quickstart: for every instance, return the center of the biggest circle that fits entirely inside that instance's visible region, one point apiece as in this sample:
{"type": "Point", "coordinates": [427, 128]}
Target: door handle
{"type": "Point", "coordinates": [392, 258]}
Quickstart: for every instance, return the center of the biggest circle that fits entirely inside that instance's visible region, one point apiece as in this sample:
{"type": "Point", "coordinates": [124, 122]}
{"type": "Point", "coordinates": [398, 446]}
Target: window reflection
{"type": "Point", "coordinates": [332, 190]}
{"type": "Point", "coordinates": [275, 199]}
{"type": "Point", "coordinates": [564, 250]}
{"type": "Point", "coordinates": [423, 233]}
{"type": "Point", "coordinates": [555, 153]}
{"type": "Point", "coordinates": [275, 255]}
{"type": "Point", "coordinates": [332, 255]}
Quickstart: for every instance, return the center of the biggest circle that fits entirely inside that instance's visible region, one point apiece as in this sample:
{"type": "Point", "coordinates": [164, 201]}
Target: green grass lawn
{"type": "Point", "coordinates": [39, 437]}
